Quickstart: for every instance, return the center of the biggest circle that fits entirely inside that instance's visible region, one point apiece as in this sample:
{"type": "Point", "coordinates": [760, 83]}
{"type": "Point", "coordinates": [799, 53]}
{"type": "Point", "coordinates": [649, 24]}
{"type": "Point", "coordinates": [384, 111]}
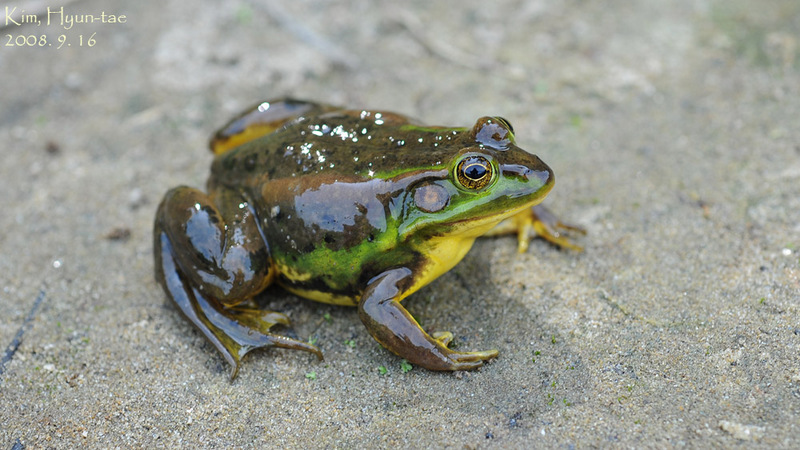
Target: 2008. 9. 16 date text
{"type": "Point", "coordinates": [43, 40]}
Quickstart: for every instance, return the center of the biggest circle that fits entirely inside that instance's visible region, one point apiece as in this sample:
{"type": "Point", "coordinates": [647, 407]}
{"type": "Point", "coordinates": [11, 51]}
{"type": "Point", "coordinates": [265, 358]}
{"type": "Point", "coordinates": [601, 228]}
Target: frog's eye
{"type": "Point", "coordinates": [493, 132]}
{"type": "Point", "coordinates": [474, 172]}
{"type": "Point", "coordinates": [506, 123]}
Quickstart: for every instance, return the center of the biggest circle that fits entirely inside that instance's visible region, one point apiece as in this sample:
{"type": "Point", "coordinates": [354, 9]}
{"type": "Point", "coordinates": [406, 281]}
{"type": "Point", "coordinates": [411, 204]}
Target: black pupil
{"type": "Point", "coordinates": [475, 171]}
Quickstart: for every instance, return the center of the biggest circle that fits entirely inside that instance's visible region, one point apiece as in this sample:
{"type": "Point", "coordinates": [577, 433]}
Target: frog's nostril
{"type": "Point", "coordinates": [542, 173]}
{"type": "Point", "coordinates": [547, 175]}
{"type": "Point", "coordinates": [544, 176]}
{"type": "Point", "coordinates": [516, 170]}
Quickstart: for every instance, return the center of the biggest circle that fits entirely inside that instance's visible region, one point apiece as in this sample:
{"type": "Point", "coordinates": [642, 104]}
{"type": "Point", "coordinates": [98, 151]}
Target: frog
{"type": "Point", "coordinates": [352, 207]}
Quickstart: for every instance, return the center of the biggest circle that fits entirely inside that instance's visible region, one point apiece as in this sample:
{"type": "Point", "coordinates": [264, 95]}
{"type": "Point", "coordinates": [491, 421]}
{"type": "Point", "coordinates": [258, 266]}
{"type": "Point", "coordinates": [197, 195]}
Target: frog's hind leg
{"type": "Point", "coordinates": [261, 119]}
{"type": "Point", "coordinates": [233, 331]}
{"type": "Point", "coordinates": [187, 218]}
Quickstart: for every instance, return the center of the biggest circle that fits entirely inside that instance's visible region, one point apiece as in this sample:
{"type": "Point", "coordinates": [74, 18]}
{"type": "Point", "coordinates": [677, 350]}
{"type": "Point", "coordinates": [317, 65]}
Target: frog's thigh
{"type": "Point", "coordinates": [391, 325]}
{"type": "Point", "coordinates": [200, 260]}
{"type": "Point", "coordinates": [220, 252]}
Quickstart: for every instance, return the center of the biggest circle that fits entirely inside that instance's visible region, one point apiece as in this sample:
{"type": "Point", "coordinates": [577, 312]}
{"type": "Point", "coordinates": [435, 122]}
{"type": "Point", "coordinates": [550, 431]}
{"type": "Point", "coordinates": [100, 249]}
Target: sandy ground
{"type": "Point", "coordinates": [672, 128]}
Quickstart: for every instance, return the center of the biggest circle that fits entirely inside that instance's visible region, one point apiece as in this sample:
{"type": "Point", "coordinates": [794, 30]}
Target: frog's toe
{"type": "Point", "coordinates": [260, 321]}
{"type": "Point", "coordinates": [257, 318]}
{"type": "Point", "coordinates": [235, 347]}
{"type": "Point", "coordinates": [463, 360]}
{"type": "Point", "coordinates": [294, 344]}
{"type": "Point", "coordinates": [237, 331]}
{"type": "Point", "coordinates": [471, 360]}
{"type": "Point", "coordinates": [234, 350]}
{"type": "Point", "coordinates": [276, 318]}
{"type": "Point", "coordinates": [550, 228]}
{"type": "Point", "coordinates": [444, 337]}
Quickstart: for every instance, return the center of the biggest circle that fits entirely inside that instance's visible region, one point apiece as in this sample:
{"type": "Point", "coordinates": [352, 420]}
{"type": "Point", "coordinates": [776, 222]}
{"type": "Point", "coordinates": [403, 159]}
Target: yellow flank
{"type": "Point", "coordinates": [220, 145]}
{"type": "Point", "coordinates": [292, 273]}
{"type": "Point", "coordinates": [318, 296]}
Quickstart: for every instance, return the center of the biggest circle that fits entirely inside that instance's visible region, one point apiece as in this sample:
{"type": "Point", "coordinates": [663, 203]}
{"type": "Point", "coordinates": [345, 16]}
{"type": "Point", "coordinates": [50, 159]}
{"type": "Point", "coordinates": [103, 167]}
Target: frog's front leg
{"type": "Point", "coordinates": [391, 325]}
{"type": "Point", "coordinates": [208, 260]}
{"type": "Point", "coordinates": [538, 221]}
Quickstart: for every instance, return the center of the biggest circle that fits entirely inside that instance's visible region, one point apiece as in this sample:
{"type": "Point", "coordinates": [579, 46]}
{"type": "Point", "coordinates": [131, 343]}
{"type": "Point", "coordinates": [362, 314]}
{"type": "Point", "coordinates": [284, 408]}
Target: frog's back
{"type": "Point", "coordinates": [356, 144]}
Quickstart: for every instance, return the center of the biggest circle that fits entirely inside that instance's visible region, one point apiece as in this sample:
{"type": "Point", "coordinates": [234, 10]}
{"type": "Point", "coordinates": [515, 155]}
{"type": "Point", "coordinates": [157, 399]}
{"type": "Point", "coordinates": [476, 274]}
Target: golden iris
{"type": "Point", "coordinates": [474, 172]}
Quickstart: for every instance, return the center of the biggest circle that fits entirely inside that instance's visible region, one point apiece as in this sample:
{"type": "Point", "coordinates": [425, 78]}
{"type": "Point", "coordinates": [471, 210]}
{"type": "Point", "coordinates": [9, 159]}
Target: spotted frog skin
{"type": "Point", "coordinates": [348, 207]}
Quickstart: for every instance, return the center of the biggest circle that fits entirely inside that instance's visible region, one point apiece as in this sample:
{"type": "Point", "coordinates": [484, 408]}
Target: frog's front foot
{"type": "Point", "coordinates": [551, 228]}
{"type": "Point", "coordinates": [391, 325]}
{"type": "Point", "coordinates": [538, 221]}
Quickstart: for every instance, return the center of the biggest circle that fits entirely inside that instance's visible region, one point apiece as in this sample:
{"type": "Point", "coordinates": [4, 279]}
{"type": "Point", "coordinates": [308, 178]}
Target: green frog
{"type": "Point", "coordinates": [343, 206]}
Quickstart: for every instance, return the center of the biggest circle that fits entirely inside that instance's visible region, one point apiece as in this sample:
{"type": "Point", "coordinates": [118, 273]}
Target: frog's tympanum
{"type": "Point", "coordinates": [349, 207]}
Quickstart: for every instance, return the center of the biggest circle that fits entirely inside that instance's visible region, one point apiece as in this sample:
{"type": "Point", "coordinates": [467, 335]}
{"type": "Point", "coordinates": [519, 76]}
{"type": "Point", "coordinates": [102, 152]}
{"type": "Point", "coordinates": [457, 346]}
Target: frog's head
{"type": "Point", "coordinates": [488, 179]}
